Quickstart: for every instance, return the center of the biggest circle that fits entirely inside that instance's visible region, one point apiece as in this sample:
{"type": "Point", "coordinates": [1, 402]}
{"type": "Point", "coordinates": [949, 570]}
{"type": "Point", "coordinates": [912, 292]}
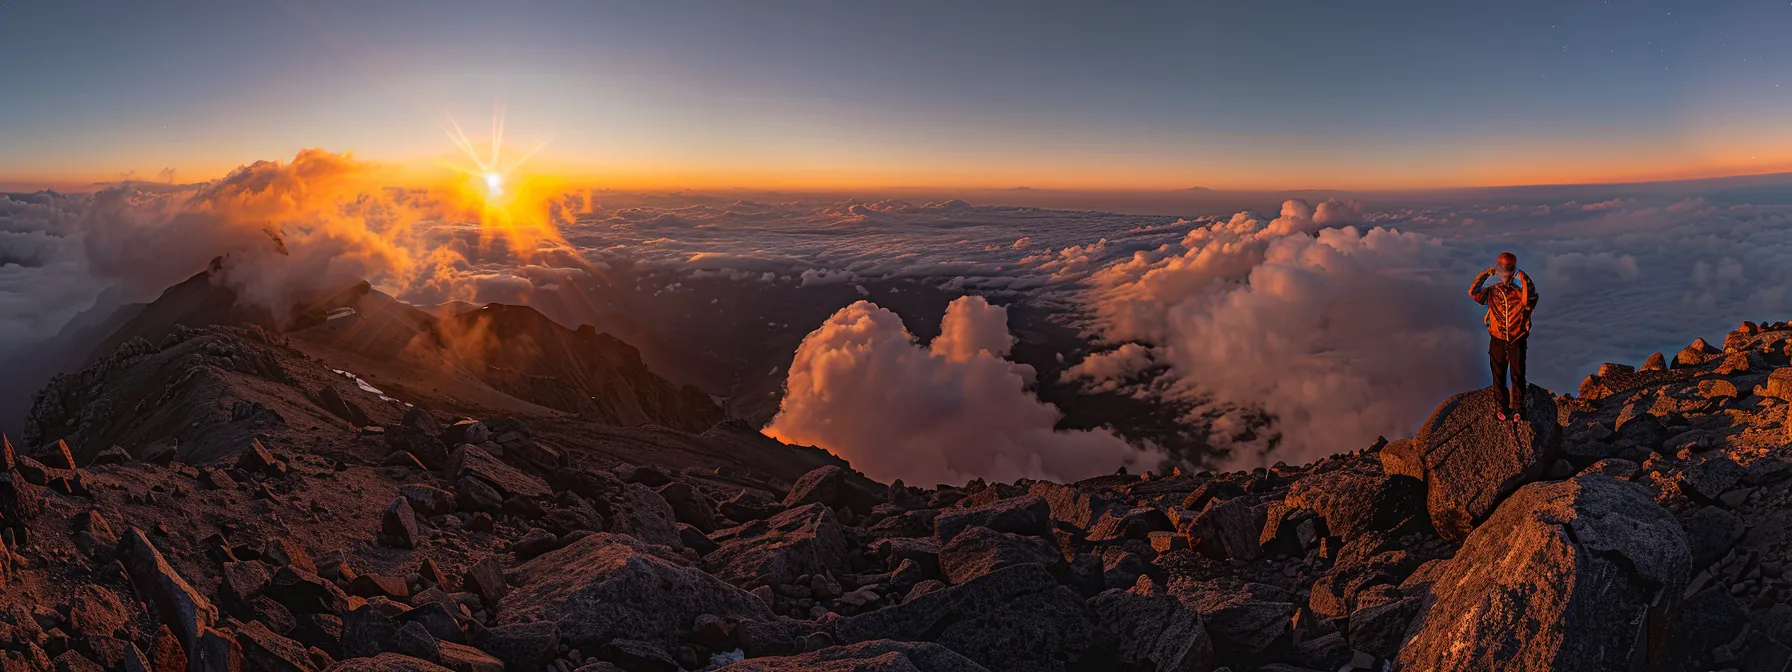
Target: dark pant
{"type": "Point", "coordinates": [1503, 355]}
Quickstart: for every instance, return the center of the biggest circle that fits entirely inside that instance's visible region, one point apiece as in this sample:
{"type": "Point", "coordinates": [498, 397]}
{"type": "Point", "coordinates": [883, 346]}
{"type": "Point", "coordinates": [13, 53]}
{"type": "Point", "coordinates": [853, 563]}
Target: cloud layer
{"type": "Point", "coordinates": [863, 388]}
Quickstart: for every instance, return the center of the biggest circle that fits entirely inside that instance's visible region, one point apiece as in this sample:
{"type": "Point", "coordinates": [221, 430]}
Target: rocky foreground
{"type": "Point", "coordinates": [1640, 526]}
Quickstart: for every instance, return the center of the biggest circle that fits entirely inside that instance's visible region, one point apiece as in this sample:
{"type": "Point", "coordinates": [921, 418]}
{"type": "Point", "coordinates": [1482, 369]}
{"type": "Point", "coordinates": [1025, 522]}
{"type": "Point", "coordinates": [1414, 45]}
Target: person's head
{"type": "Point", "coordinates": [1507, 265]}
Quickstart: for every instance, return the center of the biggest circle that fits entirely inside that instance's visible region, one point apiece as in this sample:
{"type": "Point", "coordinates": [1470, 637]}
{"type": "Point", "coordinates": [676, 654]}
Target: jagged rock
{"type": "Point", "coordinates": [1229, 528]}
{"type": "Point", "coordinates": [1069, 505]}
{"type": "Point", "coordinates": [1354, 501]}
{"type": "Point", "coordinates": [468, 461]}
{"type": "Point", "coordinates": [836, 487]}
{"type": "Point", "coordinates": [399, 524]}
{"type": "Point", "coordinates": [1622, 470]}
{"type": "Point", "coordinates": [463, 658]}
{"type": "Point", "coordinates": [689, 506]}
{"type": "Point", "coordinates": [647, 517]}
{"type": "Point", "coordinates": [1710, 533]}
{"type": "Point", "coordinates": [606, 586]}
{"type": "Point", "coordinates": [803, 540]}
{"type": "Point", "coordinates": [257, 459]}
{"type": "Point", "coordinates": [1019, 515]}
{"type": "Point", "coordinates": [646, 475]}
{"type": "Point", "coordinates": [305, 593]}
{"type": "Point", "coordinates": [414, 640]}
{"type": "Point", "coordinates": [428, 500]}
{"type": "Point", "coordinates": [95, 611]}
{"type": "Point", "coordinates": [113, 455]}
{"type": "Point", "coordinates": [874, 656]}
{"type": "Point", "coordinates": [181, 607]}
{"type": "Point", "coordinates": [1779, 384]}
{"type": "Point", "coordinates": [264, 650]}
{"type": "Point", "coordinates": [1717, 389]}
{"type": "Point", "coordinates": [1706, 620]}
{"type": "Point", "coordinates": [379, 585]}
{"type": "Point", "coordinates": [472, 494]}
{"type": "Point", "coordinates": [979, 550]}
{"type": "Point", "coordinates": [71, 661]}
{"type": "Point", "coordinates": [386, 662]}
{"type": "Point", "coordinates": [1380, 630]}
{"type": "Point", "coordinates": [93, 534]}
{"type": "Point", "coordinates": [1148, 627]}
{"type": "Point", "coordinates": [166, 654]}
{"type": "Point", "coordinates": [20, 501]}
{"type": "Point", "coordinates": [1017, 618]}
{"type": "Point", "coordinates": [1469, 459]}
{"type": "Point", "coordinates": [243, 581]}
{"type": "Point", "coordinates": [216, 652]}
{"type": "Point", "coordinates": [1655, 362]}
{"type": "Point", "coordinates": [1570, 575]}
{"type": "Point", "coordinates": [1138, 523]}
{"type": "Point", "coordinates": [749, 505]}
{"type": "Point", "coordinates": [1696, 353]}
{"type": "Point", "coordinates": [533, 544]}
{"type": "Point", "coordinates": [466, 431]}
{"type": "Point", "coordinates": [636, 655]}
{"type": "Point", "coordinates": [1711, 478]}
{"type": "Point", "coordinates": [486, 579]}
{"type": "Point", "coordinates": [1246, 617]}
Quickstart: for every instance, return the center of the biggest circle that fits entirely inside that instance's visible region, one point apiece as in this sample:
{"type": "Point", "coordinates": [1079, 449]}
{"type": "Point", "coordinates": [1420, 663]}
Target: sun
{"type": "Point", "coordinates": [511, 205]}
{"type": "Point", "coordinates": [490, 178]}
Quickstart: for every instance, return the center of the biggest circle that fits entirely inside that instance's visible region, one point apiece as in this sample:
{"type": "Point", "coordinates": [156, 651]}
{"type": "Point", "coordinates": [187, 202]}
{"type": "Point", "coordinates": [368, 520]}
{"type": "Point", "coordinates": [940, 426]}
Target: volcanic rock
{"type": "Point", "coordinates": [1148, 627]}
{"type": "Point", "coordinates": [803, 540]}
{"type": "Point", "coordinates": [1017, 618]}
{"type": "Point", "coordinates": [1564, 575]}
{"type": "Point", "coordinates": [874, 656]}
{"type": "Point", "coordinates": [979, 550]}
{"type": "Point", "coordinates": [181, 607]}
{"type": "Point", "coordinates": [1469, 459]}
{"type": "Point", "coordinates": [606, 586]}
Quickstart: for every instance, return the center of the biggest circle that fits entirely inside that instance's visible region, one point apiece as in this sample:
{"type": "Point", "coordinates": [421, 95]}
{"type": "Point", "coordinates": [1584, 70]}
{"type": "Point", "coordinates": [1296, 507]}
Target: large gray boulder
{"type": "Point", "coordinates": [875, 656]}
{"type": "Point", "coordinates": [980, 550]}
{"type": "Point", "coordinates": [1243, 617]}
{"type": "Point", "coordinates": [647, 516]}
{"type": "Point", "coordinates": [1019, 515]}
{"type": "Point", "coordinates": [607, 586]}
{"type": "Point", "coordinates": [1017, 618]}
{"type": "Point", "coordinates": [1579, 574]}
{"type": "Point", "coordinates": [1352, 501]}
{"type": "Point", "coordinates": [803, 540]}
{"type": "Point", "coordinates": [1469, 459]}
{"type": "Point", "coordinates": [1150, 628]}
{"type": "Point", "coordinates": [469, 461]}
{"type": "Point", "coordinates": [183, 609]}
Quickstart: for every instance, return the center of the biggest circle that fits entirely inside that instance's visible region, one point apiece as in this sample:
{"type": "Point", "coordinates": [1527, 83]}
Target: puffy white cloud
{"type": "Point", "coordinates": [1340, 335]}
{"type": "Point", "coordinates": [862, 387]}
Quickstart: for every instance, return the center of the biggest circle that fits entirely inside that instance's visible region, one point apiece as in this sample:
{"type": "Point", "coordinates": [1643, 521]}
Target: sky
{"type": "Point", "coordinates": [1274, 94]}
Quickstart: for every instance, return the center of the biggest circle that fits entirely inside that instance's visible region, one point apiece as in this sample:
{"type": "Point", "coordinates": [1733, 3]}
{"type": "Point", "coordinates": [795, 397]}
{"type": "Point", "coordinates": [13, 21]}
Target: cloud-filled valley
{"type": "Point", "coordinates": [1340, 318]}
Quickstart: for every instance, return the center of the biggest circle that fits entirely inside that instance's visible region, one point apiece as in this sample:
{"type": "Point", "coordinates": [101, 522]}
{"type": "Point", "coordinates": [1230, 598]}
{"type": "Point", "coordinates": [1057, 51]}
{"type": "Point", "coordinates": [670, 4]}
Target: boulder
{"type": "Point", "coordinates": [646, 516]}
{"type": "Point", "coordinates": [1228, 529]}
{"type": "Point", "coordinates": [689, 506]}
{"type": "Point", "coordinates": [1710, 533]}
{"type": "Point", "coordinates": [1077, 508]}
{"type": "Point", "coordinates": [399, 524]}
{"type": "Point", "coordinates": [469, 461]}
{"type": "Point", "coordinates": [874, 656]}
{"type": "Point", "coordinates": [803, 540]}
{"type": "Point", "coordinates": [607, 586]}
{"type": "Point", "coordinates": [521, 646]}
{"type": "Point", "coordinates": [1149, 628]}
{"type": "Point", "coordinates": [1567, 575]}
{"type": "Point", "coordinates": [385, 662]}
{"type": "Point", "coordinates": [428, 499]}
{"type": "Point", "coordinates": [1352, 501]}
{"type": "Point", "coordinates": [264, 650]}
{"type": "Point", "coordinates": [95, 611]}
{"type": "Point", "coordinates": [1028, 515]}
{"type": "Point", "coordinates": [1117, 524]}
{"type": "Point", "coordinates": [980, 550]}
{"type": "Point", "coordinates": [1707, 480]}
{"type": "Point", "coordinates": [182, 608]}
{"type": "Point", "coordinates": [1469, 459]}
{"type": "Point", "coordinates": [1779, 384]}
{"type": "Point", "coordinates": [463, 658]}
{"type": "Point", "coordinates": [1245, 617]}
{"type": "Point", "coordinates": [1696, 353]}
{"type": "Point", "coordinates": [1655, 362]}
{"type": "Point", "coordinates": [472, 494]}
{"type": "Point", "coordinates": [1017, 618]}
{"type": "Point", "coordinates": [837, 487]}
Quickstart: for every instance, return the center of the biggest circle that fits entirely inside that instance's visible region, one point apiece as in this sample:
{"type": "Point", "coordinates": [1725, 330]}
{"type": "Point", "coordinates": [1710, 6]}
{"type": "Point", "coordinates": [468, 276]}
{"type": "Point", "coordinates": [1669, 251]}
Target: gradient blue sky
{"type": "Point", "coordinates": [1260, 94]}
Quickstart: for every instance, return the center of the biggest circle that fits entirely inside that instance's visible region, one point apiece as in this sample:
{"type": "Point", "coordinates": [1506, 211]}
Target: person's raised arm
{"type": "Point", "coordinates": [1475, 292]}
{"type": "Point", "coordinates": [1530, 291]}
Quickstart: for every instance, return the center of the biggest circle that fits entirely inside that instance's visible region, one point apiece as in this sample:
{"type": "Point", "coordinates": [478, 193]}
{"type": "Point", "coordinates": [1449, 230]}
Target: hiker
{"type": "Point", "coordinates": [1509, 304]}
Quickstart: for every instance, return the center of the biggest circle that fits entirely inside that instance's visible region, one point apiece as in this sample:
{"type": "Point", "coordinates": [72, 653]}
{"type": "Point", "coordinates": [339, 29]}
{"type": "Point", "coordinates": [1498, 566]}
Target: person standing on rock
{"type": "Point", "coordinates": [1509, 304]}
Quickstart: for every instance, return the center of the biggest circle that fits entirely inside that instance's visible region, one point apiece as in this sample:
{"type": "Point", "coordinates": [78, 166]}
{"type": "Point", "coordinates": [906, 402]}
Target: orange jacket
{"type": "Point", "coordinates": [1509, 304]}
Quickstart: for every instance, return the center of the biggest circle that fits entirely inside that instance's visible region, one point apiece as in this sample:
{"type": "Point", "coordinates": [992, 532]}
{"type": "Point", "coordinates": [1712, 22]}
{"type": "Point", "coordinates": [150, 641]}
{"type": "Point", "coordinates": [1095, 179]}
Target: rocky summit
{"type": "Point", "coordinates": [372, 494]}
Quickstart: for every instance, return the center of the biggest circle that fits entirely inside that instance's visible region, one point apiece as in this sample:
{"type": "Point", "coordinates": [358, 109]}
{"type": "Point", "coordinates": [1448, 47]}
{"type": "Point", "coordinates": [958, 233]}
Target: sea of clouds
{"type": "Point", "coordinates": [1343, 318]}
